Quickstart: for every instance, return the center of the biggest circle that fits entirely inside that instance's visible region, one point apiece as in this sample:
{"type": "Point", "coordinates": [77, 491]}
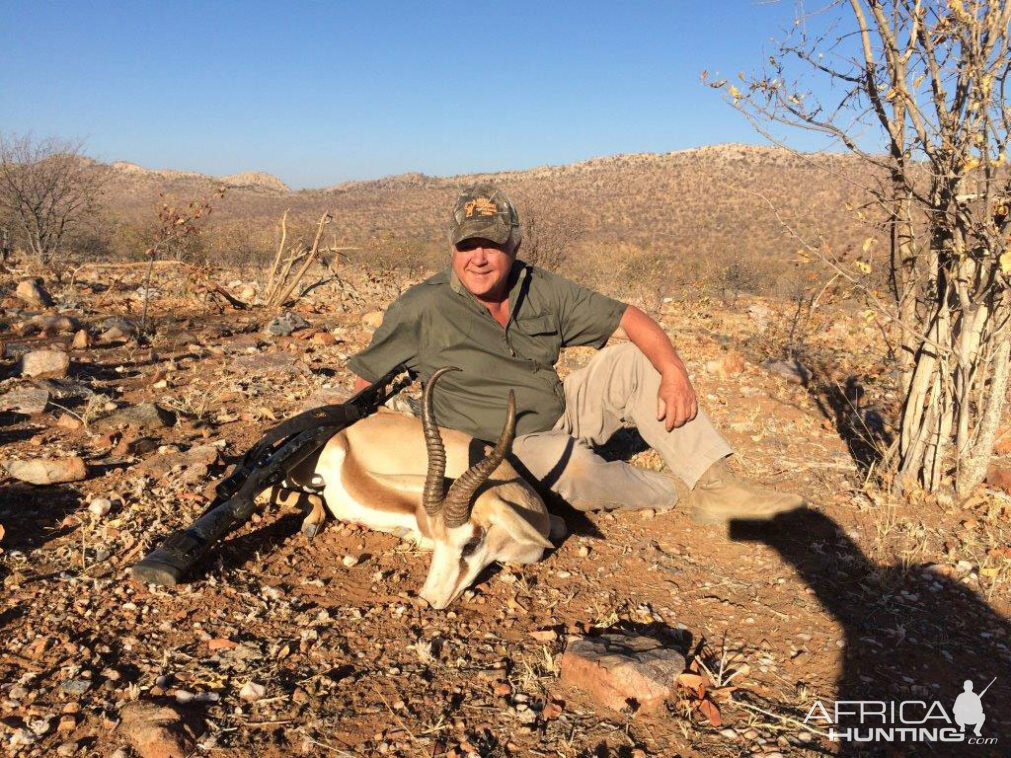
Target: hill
{"type": "Point", "coordinates": [722, 208]}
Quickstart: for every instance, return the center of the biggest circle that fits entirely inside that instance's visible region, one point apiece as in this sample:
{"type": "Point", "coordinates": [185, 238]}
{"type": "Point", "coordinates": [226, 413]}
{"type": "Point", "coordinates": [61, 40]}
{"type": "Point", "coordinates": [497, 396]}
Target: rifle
{"type": "Point", "coordinates": [266, 464]}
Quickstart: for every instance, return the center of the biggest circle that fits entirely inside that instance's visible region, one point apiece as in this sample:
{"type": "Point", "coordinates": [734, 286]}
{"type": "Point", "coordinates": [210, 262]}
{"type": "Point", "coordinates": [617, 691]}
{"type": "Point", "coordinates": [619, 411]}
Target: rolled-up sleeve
{"type": "Point", "coordinates": [394, 342]}
{"type": "Point", "coordinates": [585, 317]}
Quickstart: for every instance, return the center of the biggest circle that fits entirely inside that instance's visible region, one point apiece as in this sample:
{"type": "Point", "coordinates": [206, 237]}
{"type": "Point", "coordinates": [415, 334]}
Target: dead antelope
{"type": "Point", "coordinates": [388, 472]}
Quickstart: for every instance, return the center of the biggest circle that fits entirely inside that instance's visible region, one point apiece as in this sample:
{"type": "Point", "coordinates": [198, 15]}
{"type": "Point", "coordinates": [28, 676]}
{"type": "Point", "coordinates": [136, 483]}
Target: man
{"type": "Point", "coordinates": [503, 322]}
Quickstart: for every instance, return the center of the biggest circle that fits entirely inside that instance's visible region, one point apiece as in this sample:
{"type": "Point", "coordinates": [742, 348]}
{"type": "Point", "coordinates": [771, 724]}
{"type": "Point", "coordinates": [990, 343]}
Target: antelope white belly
{"type": "Point", "coordinates": [384, 503]}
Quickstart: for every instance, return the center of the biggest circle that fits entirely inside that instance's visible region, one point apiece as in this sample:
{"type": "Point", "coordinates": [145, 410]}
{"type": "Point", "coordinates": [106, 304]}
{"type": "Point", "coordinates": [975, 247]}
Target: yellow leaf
{"type": "Point", "coordinates": [1005, 262]}
{"type": "Point", "coordinates": [734, 92]}
{"type": "Point", "coordinates": [868, 243]}
{"type": "Point", "coordinates": [863, 267]}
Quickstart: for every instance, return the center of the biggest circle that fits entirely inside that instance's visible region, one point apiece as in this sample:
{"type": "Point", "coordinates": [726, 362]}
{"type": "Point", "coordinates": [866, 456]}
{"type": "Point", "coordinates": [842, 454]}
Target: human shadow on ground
{"type": "Point", "coordinates": [909, 634]}
{"type": "Point", "coordinates": [32, 516]}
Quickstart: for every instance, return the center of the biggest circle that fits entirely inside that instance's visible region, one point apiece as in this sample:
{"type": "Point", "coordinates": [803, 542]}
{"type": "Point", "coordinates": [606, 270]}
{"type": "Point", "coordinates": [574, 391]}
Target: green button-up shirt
{"type": "Point", "coordinates": [440, 323]}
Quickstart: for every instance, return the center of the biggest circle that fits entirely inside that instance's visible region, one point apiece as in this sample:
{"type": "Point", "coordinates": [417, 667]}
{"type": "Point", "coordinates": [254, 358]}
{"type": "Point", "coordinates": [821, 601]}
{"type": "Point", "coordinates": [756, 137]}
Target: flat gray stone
{"type": "Point", "coordinates": [285, 324]}
{"type": "Point", "coordinates": [26, 400]}
{"type": "Point", "coordinates": [793, 371]}
{"type": "Point", "coordinates": [266, 363]}
{"type": "Point", "coordinates": [142, 416]}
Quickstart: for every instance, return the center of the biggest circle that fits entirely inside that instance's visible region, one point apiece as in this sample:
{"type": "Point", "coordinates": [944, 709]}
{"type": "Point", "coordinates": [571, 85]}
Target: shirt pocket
{"type": "Point", "coordinates": [538, 338]}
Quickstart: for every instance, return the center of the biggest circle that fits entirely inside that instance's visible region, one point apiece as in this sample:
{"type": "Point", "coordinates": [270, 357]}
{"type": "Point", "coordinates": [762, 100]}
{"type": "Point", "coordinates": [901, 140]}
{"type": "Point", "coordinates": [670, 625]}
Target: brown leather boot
{"type": "Point", "coordinates": [719, 496]}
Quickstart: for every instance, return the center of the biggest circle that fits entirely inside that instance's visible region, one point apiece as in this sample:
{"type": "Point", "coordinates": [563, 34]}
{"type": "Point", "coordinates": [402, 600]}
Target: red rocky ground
{"type": "Point", "coordinates": [284, 646]}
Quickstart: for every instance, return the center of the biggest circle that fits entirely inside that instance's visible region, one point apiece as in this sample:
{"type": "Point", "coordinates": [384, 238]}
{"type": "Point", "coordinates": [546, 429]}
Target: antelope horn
{"type": "Point", "coordinates": [457, 509]}
{"type": "Point", "coordinates": [435, 489]}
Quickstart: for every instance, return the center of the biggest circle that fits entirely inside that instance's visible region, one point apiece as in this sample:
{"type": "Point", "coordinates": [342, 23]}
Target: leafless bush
{"type": "Point", "coordinates": [47, 188]}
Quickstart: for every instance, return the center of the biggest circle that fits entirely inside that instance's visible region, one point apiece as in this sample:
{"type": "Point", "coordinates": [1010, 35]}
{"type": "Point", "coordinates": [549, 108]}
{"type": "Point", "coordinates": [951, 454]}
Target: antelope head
{"type": "Point", "coordinates": [467, 539]}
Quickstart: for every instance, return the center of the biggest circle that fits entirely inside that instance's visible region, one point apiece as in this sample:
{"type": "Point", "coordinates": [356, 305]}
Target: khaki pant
{"type": "Point", "coordinates": [617, 388]}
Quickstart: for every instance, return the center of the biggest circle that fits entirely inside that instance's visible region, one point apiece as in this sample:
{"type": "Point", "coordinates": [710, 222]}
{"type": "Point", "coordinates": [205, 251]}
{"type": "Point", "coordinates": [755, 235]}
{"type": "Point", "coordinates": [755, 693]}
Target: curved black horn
{"type": "Point", "coordinates": [457, 507]}
{"type": "Point", "coordinates": [434, 492]}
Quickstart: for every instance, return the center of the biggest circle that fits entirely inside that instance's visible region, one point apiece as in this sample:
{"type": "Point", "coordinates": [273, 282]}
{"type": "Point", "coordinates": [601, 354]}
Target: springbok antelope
{"type": "Point", "coordinates": [375, 473]}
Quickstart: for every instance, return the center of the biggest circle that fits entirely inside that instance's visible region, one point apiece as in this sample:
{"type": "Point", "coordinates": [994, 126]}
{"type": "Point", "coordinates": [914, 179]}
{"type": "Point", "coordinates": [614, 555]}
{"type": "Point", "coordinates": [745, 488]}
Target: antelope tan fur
{"type": "Point", "coordinates": [388, 472]}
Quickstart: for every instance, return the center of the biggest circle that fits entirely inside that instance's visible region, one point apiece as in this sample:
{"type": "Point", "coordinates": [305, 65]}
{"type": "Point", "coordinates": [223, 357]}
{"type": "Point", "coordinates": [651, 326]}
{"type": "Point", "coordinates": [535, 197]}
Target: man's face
{"type": "Point", "coordinates": [483, 266]}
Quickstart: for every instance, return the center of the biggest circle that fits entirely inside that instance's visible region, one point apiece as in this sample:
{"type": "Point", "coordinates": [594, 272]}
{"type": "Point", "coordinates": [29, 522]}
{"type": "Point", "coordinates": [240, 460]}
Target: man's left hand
{"type": "Point", "coordinates": [676, 401]}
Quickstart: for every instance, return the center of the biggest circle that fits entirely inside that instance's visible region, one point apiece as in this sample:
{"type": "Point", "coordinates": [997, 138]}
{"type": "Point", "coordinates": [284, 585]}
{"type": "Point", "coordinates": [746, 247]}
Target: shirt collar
{"type": "Point", "coordinates": [516, 276]}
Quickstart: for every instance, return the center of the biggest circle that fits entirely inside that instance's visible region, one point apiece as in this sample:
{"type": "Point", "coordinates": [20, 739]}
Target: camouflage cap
{"type": "Point", "coordinates": [483, 210]}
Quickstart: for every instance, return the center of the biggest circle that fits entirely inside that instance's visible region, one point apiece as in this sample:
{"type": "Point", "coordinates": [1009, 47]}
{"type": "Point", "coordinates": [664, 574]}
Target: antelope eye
{"type": "Point", "coordinates": [473, 543]}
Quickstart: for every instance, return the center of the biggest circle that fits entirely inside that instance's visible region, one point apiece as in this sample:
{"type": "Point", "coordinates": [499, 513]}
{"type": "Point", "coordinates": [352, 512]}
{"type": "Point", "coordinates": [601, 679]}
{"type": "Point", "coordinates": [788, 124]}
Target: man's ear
{"type": "Point", "coordinates": [520, 529]}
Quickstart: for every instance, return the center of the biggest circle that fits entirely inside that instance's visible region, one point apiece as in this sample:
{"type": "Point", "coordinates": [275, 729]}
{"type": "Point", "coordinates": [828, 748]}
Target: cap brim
{"type": "Point", "coordinates": [492, 230]}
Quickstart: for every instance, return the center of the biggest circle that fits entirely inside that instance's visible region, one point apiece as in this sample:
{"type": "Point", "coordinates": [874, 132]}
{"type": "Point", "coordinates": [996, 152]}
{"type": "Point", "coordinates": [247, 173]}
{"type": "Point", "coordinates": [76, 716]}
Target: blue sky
{"type": "Point", "coordinates": [316, 93]}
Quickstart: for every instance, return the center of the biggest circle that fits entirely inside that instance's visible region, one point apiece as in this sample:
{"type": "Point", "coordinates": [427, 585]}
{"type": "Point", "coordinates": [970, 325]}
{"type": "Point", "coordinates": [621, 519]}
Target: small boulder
{"type": "Point", "coordinates": [26, 400]}
{"type": "Point", "coordinates": [45, 363]}
{"type": "Point", "coordinates": [268, 363]}
{"type": "Point", "coordinates": [119, 327]}
{"type": "Point", "coordinates": [48, 324]}
{"type": "Point", "coordinates": [82, 340]}
{"type": "Point", "coordinates": [142, 416]}
{"type": "Point", "coordinates": [44, 471]}
{"type": "Point", "coordinates": [32, 291]}
{"type": "Point", "coordinates": [285, 324]}
{"type": "Point", "coordinates": [157, 731]}
{"type": "Point", "coordinates": [619, 671]}
{"type": "Point", "coordinates": [791, 370]}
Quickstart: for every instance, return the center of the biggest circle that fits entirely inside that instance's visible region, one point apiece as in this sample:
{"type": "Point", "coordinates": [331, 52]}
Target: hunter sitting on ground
{"type": "Point", "coordinates": [502, 322]}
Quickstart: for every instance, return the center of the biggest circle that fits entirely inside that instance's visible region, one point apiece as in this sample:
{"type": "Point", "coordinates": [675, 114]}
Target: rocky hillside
{"type": "Point", "coordinates": [723, 205]}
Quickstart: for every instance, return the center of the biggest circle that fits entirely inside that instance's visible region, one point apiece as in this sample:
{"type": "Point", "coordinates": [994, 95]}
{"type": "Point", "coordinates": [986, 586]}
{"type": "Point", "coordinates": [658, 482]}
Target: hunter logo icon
{"type": "Point", "coordinates": [968, 709]}
{"type": "Point", "coordinates": [482, 206]}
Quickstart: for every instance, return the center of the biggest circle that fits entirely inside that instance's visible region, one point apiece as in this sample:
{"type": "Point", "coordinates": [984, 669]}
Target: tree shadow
{"type": "Point", "coordinates": [910, 634]}
{"type": "Point", "coordinates": [861, 427]}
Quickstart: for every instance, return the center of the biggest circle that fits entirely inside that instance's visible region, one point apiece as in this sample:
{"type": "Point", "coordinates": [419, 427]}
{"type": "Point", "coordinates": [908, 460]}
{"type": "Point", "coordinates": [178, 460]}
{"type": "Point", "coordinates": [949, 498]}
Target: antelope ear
{"type": "Point", "coordinates": [520, 529]}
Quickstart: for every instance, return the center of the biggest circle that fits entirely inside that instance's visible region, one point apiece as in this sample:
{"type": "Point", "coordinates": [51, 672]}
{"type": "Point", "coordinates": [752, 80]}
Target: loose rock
{"type": "Point", "coordinates": [45, 363]}
{"type": "Point", "coordinates": [32, 291]}
{"type": "Point", "coordinates": [157, 731]}
{"type": "Point", "coordinates": [82, 340]}
{"type": "Point", "coordinates": [618, 670]}
{"type": "Point", "coordinates": [48, 324]}
{"type": "Point", "coordinates": [264, 363]}
{"type": "Point", "coordinates": [26, 400]}
{"type": "Point", "coordinates": [100, 506]}
{"type": "Point", "coordinates": [143, 416]}
{"type": "Point", "coordinates": [252, 692]}
{"type": "Point", "coordinates": [48, 470]}
{"type": "Point", "coordinates": [124, 325]}
{"type": "Point", "coordinates": [285, 324]}
{"type": "Point", "coordinates": [792, 371]}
